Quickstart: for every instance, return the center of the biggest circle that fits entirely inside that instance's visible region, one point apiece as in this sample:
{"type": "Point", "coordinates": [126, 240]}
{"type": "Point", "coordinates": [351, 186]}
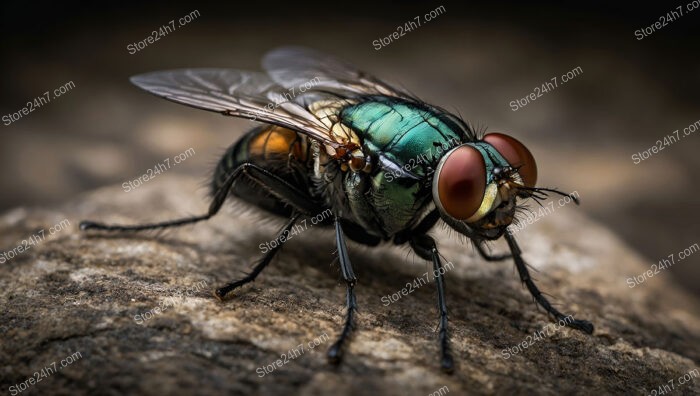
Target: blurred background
{"type": "Point", "coordinates": [471, 59]}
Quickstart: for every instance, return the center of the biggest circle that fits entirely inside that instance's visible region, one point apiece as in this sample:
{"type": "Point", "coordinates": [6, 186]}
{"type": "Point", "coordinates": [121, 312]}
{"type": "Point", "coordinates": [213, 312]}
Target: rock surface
{"type": "Point", "coordinates": [100, 296]}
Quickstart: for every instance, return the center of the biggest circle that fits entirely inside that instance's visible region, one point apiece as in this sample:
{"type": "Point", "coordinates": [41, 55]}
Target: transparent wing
{"type": "Point", "coordinates": [235, 93]}
{"type": "Point", "coordinates": [295, 67]}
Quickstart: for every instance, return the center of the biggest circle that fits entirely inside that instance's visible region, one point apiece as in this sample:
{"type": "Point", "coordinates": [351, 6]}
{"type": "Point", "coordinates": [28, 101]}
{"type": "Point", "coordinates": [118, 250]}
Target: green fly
{"type": "Point", "coordinates": [386, 165]}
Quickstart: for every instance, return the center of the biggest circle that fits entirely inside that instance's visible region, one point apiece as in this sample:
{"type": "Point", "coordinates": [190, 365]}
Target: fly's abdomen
{"type": "Point", "coordinates": [278, 150]}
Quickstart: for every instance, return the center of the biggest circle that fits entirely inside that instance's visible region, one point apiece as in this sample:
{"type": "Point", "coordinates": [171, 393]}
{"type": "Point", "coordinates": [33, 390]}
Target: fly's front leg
{"type": "Point", "coordinates": [520, 264]}
{"type": "Point", "coordinates": [425, 247]}
{"type": "Point", "coordinates": [335, 352]}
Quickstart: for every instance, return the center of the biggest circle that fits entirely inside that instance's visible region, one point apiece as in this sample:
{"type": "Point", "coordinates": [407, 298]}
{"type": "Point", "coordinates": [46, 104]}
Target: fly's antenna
{"type": "Point", "coordinates": [540, 193]}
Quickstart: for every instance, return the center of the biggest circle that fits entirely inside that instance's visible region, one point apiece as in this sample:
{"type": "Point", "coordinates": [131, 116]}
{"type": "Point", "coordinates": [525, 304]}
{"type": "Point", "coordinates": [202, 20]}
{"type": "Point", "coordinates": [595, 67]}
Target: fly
{"type": "Point", "coordinates": [386, 166]}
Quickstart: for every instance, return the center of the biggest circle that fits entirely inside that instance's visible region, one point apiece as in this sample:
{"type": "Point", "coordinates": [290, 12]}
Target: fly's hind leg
{"type": "Point", "coordinates": [280, 188]}
{"type": "Point", "coordinates": [217, 201]}
{"type": "Point", "coordinates": [268, 181]}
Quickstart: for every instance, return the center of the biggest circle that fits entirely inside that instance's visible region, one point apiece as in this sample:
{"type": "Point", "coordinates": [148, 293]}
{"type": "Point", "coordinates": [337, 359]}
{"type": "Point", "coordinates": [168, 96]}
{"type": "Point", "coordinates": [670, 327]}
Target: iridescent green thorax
{"type": "Point", "coordinates": [412, 136]}
{"type": "Point", "coordinates": [407, 133]}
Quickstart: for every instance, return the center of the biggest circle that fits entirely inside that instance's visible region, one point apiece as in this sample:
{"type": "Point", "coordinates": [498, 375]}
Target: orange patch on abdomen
{"type": "Point", "coordinates": [275, 143]}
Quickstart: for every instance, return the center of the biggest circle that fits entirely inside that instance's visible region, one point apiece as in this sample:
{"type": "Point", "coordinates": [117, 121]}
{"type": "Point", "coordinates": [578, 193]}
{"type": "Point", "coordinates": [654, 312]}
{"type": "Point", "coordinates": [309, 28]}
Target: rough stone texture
{"type": "Point", "coordinates": [74, 292]}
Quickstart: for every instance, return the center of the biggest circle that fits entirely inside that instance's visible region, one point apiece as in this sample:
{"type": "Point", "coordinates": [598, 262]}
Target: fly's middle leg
{"type": "Point", "coordinates": [335, 352]}
{"type": "Point", "coordinates": [426, 248]}
{"type": "Point", "coordinates": [222, 292]}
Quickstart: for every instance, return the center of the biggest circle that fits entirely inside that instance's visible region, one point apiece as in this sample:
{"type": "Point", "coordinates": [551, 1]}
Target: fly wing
{"type": "Point", "coordinates": [297, 67]}
{"type": "Point", "coordinates": [235, 93]}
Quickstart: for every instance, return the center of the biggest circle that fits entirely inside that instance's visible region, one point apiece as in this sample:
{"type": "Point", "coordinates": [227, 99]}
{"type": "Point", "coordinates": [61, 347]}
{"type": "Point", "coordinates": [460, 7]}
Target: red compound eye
{"type": "Point", "coordinates": [517, 155]}
{"type": "Point", "coordinates": [461, 182]}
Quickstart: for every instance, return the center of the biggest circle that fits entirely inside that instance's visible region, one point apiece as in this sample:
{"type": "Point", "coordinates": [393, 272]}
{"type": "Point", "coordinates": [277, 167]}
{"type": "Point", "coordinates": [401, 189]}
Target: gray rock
{"type": "Point", "coordinates": [100, 296]}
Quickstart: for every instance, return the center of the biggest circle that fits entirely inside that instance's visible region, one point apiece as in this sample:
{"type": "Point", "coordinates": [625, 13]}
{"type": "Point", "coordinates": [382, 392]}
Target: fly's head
{"type": "Point", "coordinates": [476, 185]}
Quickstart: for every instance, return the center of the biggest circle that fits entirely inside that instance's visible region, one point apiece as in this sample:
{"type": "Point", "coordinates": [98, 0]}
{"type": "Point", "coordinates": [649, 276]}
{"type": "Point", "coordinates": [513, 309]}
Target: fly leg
{"type": "Point", "coordinates": [221, 292]}
{"type": "Point", "coordinates": [335, 352]}
{"type": "Point", "coordinates": [520, 264]}
{"type": "Point", "coordinates": [488, 256]}
{"type": "Point", "coordinates": [301, 202]}
{"type": "Point", "coordinates": [268, 181]}
{"type": "Point", "coordinates": [425, 247]}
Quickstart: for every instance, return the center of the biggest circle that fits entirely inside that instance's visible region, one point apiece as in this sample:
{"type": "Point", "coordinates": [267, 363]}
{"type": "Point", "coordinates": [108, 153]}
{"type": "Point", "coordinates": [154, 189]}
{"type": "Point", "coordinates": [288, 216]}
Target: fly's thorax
{"type": "Point", "coordinates": [404, 141]}
{"type": "Point", "coordinates": [412, 136]}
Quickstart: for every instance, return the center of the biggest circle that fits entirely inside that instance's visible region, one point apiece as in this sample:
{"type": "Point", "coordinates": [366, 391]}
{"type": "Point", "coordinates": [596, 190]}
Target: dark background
{"type": "Point", "coordinates": [473, 59]}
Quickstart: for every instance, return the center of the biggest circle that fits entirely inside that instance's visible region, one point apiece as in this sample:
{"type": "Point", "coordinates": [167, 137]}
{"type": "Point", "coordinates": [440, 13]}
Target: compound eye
{"type": "Point", "coordinates": [461, 183]}
{"type": "Point", "coordinates": [517, 155]}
